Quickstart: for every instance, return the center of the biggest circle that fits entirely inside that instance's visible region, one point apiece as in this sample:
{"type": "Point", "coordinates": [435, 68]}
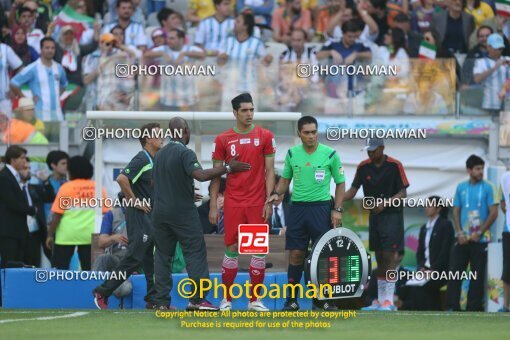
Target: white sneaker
{"type": "Point", "coordinates": [257, 306]}
{"type": "Point", "coordinates": [225, 305]}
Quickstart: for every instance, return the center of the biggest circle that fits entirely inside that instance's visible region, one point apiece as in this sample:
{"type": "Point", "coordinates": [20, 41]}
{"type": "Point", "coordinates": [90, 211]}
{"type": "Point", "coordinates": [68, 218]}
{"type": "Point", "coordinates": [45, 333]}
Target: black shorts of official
{"type": "Point", "coordinates": [386, 231]}
{"type": "Point", "coordinates": [307, 220]}
{"type": "Point", "coordinates": [506, 258]}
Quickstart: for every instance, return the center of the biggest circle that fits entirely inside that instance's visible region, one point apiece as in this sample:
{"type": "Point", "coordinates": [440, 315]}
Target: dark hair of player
{"type": "Point", "coordinates": [145, 131]}
{"type": "Point", "coordinates": [306, 120]}
{"type": "Point", "coordinates": [55, 156]}
{"type": "Point", "coordinates": [242, 98]}
{"type": "Point", "coordinates": [80, 167]}
{"type": "Point", "coordinates": [473, 161]}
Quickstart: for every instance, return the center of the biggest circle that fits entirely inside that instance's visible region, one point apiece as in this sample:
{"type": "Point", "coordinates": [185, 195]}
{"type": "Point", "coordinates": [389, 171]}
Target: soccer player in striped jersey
{"type": "Point", "coordinates": [213, 31]}
{"type": "Point", "coordinates": [246, 192]}
{"type": "Point", "coordinates": [8, 60]}
{"type": "Point", "coordinates": [133, 31]}
{"type": "Point", "coordinates": [47, 79]}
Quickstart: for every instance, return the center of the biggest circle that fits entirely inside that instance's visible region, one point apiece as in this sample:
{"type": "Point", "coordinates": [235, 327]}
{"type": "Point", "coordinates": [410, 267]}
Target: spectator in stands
{"type": "Point", "coordinates": [203, 211]}
{"type": "Point", "coordinates": [14, 207]}
{"type": "Point", "coordinates": [26, 19]}
{"type": "Point", "coordinates": [454, 27]}
{"type": "Point", "coordinates": [98, 73]}
{"type": "Point", "coordinates": [37, 196]}
{"type": "Point", "coordinates": [57, 164]}
{"type": "Point", "coordinates": [480, 10]}
{"type": "Point", "coordinates": [169, 19]}
{"type": "Point", "coordinates": [413, 39]}
{"type": "Point", "coordinates": [261, 9]}
{"type": "Point", "coordinates": [199, 10]}
{"type": "Point", "coordinates": [16, 131]}
{"type": "Point", "coordinates": [8, 60]}
{"type": "Point", "coordinates": [421, 17]}
{"type": "Point", "coordinates": [345, 52]}
{"type": "Point", "coordinates": [491, 72]}
{"type": "Point", "coordinates": [113, 239]}
{"type": "Point", "coordinates": [20, 46]}
{"type": "Point", "coordinates": [26, 112]}
{"type": "Point", "coordinates": [137, 13]}
{"type": "Point", "coordinates": [69, 53]}
{"type": "Point", "coordinates": [133, 31]}
{"type": "Point", "coordinates": [213, 31]}
{"type": "Point", "coordinates": [46, 79]}
{"type": "Point", "coordinates": [333, 8]}
{"type": "Point", "coordinates": [72, 224]}
{"type": "Point", "coordinates": [177, 92]}
{"type": "Point", "coordinates": [41, 12]}
{"type": "Point", "coordinates": [242, 52]}
{"type": "Point", "coordinates": [479, 51]}
{"type": "Point", "coordinates": [297, 52]}
{"type": "Point", "coordinates": [424, 100]}
{"type": "Point", "coordinates": [434, 246]}
{"type": "Point", "coordinates": [475, 208]}
{"type": "Point", "coordinates": [158, 37]}
{"type": "Point", "coordinates": [290, 17]}
{"type": "Point", "coordinates": [377, 10]}
{"type": "Point", "coordinates": [395, 53]}
{"type": "Point", "coordinates": [369, 32]}
{"type": "Point", "coordinates": [120, 36]}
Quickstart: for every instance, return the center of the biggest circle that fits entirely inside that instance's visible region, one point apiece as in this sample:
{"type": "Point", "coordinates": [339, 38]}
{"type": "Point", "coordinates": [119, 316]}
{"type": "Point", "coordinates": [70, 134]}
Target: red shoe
{"type": "Point", "coordinates": [100, 300]}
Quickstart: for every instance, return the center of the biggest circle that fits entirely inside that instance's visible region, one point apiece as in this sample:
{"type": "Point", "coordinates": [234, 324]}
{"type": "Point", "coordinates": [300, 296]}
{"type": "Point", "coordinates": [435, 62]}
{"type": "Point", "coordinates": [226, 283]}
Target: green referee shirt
{"type": "Point", "coordinates": [312, 172]}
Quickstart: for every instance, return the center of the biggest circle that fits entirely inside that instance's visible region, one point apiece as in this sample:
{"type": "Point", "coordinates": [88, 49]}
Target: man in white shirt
{"type": "Point", "coordinates": [8, 60]}
{"type": "Point", "coordinates": [212, 32]}
{"type": "Point", "coordinates": [133, 31]}
{"type": "Point", "coordinates": [177, 91]}
{"type": "Point", "coordinates": [26, 19]}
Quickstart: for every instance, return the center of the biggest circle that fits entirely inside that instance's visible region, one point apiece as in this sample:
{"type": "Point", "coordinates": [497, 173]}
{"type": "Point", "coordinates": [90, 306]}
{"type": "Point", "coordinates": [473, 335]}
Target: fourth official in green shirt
{"type": "Point", "coordinates": [311, 166]}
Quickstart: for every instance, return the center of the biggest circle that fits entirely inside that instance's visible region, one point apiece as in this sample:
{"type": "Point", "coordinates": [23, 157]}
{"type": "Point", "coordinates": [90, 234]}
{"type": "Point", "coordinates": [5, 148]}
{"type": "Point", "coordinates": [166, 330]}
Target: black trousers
{"type": "Point", "coordinates": [12, 250]}
{"type": "Point", "coordinates": [428, 297]}
{"type": "Point", "coordinates": [474, 254]}
{"type": "Point", "coordinates": [140, 253]}
{"type": "Point", "coordinates": [62, 255]}
{"type": "Point", "coordinates": [33, 250]}
{"type": "Point", "coordinates": [189, 234]}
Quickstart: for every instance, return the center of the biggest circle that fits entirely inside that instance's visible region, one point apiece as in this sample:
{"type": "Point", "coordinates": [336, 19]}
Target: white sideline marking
{"type": "Point", "coordinates": [42, 318]}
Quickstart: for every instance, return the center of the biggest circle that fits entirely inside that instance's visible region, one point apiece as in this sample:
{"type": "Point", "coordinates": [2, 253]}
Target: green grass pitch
{"type": "Point", "coordinates": [92, 324]}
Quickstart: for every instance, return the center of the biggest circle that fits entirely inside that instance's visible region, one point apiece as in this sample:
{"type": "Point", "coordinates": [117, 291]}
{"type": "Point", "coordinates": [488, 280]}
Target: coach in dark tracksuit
{"type": "Point", "coordinates": [136, 182]}
{"type": "Point", "coordinates": [176, 217]}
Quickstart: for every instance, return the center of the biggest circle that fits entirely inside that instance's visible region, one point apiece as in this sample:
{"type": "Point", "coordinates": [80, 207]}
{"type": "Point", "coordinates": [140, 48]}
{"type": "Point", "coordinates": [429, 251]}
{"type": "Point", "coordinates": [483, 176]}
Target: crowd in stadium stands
{"type": "Point", "coordinates": [62, 54]}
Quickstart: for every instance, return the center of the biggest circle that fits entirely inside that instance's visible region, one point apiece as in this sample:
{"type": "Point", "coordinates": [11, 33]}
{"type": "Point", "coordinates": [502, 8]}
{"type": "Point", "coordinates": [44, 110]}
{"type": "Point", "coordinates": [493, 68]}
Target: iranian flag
{"type": "Point", "coordinates": [503, 8]}
{"type": "Point", "coordinates": [79, 22]}
{"type": "Point", "coordinates": [427, 51]}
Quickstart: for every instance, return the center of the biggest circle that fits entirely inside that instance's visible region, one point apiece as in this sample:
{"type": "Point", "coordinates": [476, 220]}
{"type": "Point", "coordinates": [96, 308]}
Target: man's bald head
{"type": "Point", "coordinates": [180, 124]}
